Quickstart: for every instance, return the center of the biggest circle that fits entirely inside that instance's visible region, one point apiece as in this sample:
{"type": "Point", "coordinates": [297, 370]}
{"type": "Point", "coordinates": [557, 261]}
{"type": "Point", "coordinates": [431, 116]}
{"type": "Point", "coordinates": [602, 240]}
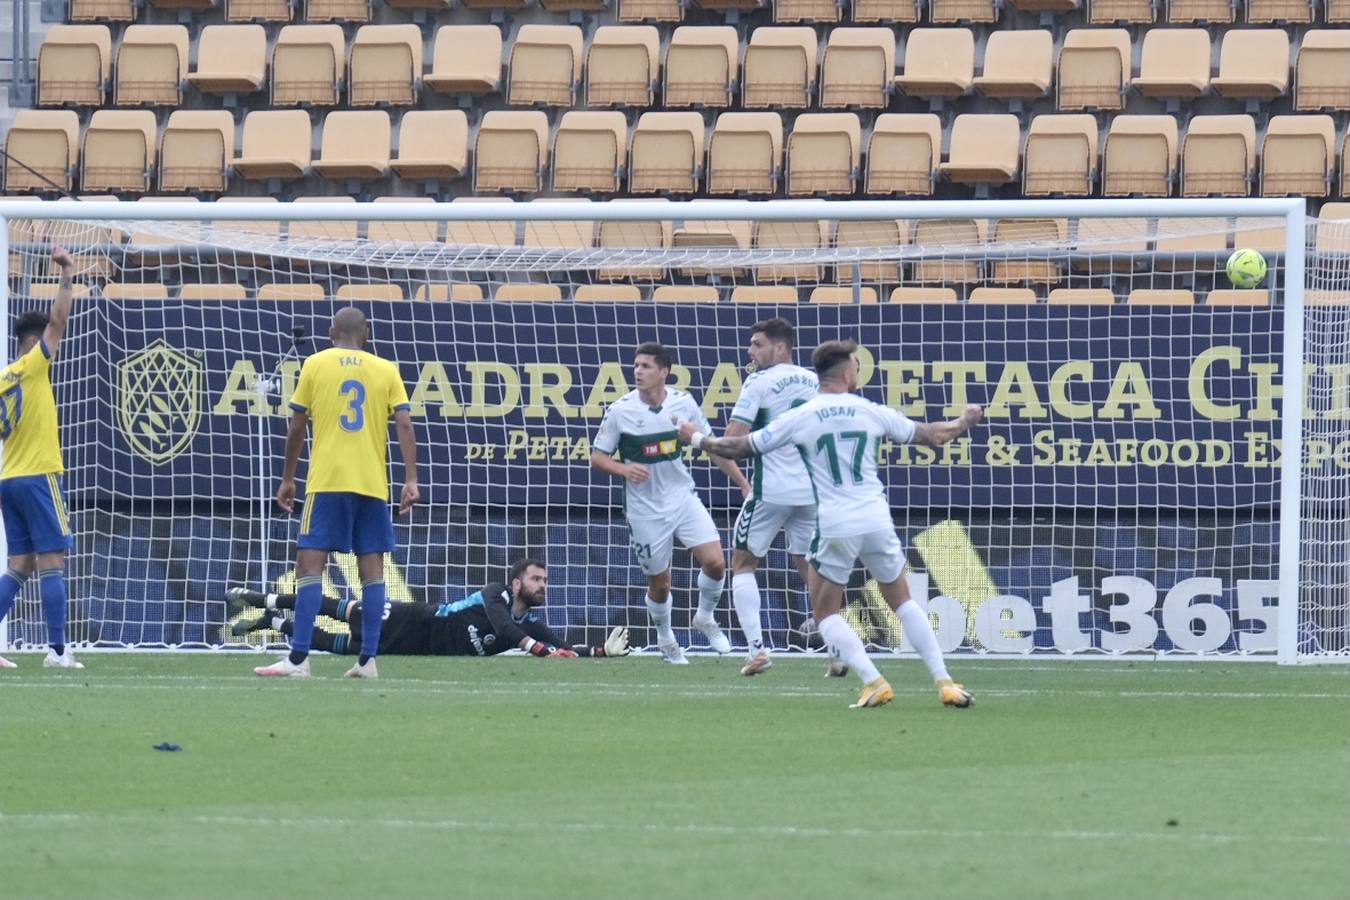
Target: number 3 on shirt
{"type": "Point", "coordinates": [354, 419]}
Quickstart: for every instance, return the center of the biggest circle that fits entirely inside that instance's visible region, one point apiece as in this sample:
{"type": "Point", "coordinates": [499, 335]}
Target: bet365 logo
{"type": "Point", "coordinates": [159, 391]}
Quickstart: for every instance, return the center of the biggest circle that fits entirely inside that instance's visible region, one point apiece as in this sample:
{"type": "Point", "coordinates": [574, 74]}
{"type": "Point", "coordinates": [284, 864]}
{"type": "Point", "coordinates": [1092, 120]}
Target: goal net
{"type": "Point", "coordinates": [1124, 496]}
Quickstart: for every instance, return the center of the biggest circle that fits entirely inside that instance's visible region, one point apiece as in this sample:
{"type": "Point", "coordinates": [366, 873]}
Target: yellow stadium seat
{"type": "Point", "coordinates": [308, 64]}
{"type": "Point", "coordinates": [1061, 156]}
{"type": "Point", "coordinates": [511, 152]}
{"type": "Point", "coordinates": [545, 65]}
{"type": "Point", "coordinates": [922, 295]}
{"type": "Point", "coordinates": [231, 59]}
{"type": "Point", "coordinates": [386, 65]}
{"type": "Point", "coordinates": [1002, 295]}
{"type": "Point", "coordinates": [866, 296]}
{"type": "Point", "coordinates": [1298, 156]}
{"type": "Point", "coordinates": [1254, 63]}
{"type": "Point", "coordinates": [1322, 70]}
{"type": "Point", "coordinates": [152, 62]}
{"type": "Point", "coordinates": [858, 69]}
{"type": "Point", "coordinates": [939, 62]}
{"type": "Point", "coordinates": [195, 151]}
{"type": "Point", "coordinates": [745, 153]}
{"type": "Point", "coordinates": [666, 153]}
{"type": "Point", "coordinates": [1151, 297]}
{"type": "Point", "coordinates": [432, 143]}
{"type": "Point", "coordinates": [606, 293]}
{"type": "Point", "coordinates": [824, 154]}
{"type": "Point", "coordinates": [762, 294]}
{"type": "Point", "coordinates": [466, 59]}
{"type": "Point", "coordinates": [382, 293]}
{"type": "Point", "coordinates": [1094, 69]}
{"type": "Point", "coordinates": [1082, 297]}
{"type": "Point", "coordinates": [337, 10]}
{"type": "Point", "coordinates": [119, 151]}
{"type": "Point", "coordinates": [355, 145]}
{"type": "Point", "coordinates": [669, 293]}
{"type": "Point", "coordinates": [528, 293]}
{"type": "Point", "coordinates": [1018, 64]}
{"type": "Point", "coordinates": [623, 66]}
{"type": "Point", "coordinates": [74, 63]}
{"type": "Point", "coordinates": [291, 291]}
{"type": "Point", "coordinates": [702, 66]}
{"type": "Point", "coordinates": [984, 149]}
{"type": "Point", "coordinates": [1218, 156]}
{"type": "Point", "coordinates": [197, 292]}
{"type": "Point", "coordinates": [1140, 156]}
{"type": "Point", "coordinates": [276, 144]}
{"type": "Point", "coordinates": [590, 151]}
{"type": "Point", "coordinates": [779, 69]}
{"type": "Point", "coordinates": [903, 154]}
{"type": "Point", "coordinates": [42, 150]}
{"type": "Point", "coordinates": [1174, 62]}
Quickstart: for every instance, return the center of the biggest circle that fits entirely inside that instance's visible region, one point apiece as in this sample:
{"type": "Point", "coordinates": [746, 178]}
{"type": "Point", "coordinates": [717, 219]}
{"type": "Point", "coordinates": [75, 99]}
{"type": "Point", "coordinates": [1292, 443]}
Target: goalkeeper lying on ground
{"type": "Point", "coordinates": [500, 617]}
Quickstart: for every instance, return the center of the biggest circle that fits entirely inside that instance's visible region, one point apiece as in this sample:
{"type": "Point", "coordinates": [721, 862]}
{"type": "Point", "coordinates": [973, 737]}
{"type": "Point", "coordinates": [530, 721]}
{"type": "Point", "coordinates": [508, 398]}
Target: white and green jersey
{"type": "Point", "coordinates": [838, 436]}
{"type": "Point", "coordinates": [780, 476]}
{"type": "Point", "coordinates": [638, 433]}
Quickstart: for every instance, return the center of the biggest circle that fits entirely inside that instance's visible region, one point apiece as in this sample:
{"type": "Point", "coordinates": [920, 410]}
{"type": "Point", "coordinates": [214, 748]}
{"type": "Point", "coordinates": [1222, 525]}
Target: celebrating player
{"type": "Point", "coordinates": [781, 498]}
{"type": "Point", "coordinates": [659, 499]}
{"type": "Point", "coordinates": [37, 527]}
{"type": "Point", "coordinates": [351, 395]}
{"type": "Point", "coordinates": [838, 434]}
{"type": "Point", "coordinates": [497, 618]}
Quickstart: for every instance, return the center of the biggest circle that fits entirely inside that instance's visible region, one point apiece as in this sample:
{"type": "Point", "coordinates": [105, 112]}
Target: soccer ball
{"type": "Point", "coordinates": [1246, 269]}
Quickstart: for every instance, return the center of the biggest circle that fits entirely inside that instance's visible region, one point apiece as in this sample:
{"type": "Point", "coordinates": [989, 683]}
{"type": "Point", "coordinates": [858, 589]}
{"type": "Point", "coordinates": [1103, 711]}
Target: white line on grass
{"type": "Point", "coordinates": [774, 831]}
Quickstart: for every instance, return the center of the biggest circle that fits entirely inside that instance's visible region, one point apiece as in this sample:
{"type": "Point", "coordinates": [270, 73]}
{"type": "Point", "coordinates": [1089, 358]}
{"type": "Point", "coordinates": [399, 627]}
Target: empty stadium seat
{"type": "Point", "coordinates": [673, 293]}
{"type": "Point", "coordinates": [199, 292]}
{"type": "Point", "coordinates": [606, 293]}
{"type": "Point", "coordinates": [651, 10]}
{"type": "Point", "coordinates": [733, 235]}
{"type": "Point", "coordinates": [899, 11]}
{"type": "Point", "coordinates": [1188, 244]}
{"type": "Point", "coordinates": [666, 154]}
{"type": "Point", "coordinates": [1139, 156]}
{"type": "Point", "coordinates": [230, 59]}
{"type": "Point", "coordinates": [195, 151]}
{"type": "Point", "coordinates": [275, 144]}
{"type": "Point", "coordinates": [307, 65]}
{"type": "Point", "coordinates": [291, 291]}
{"type": "Point", "coordinates": [779, 68]}
{"type": "Point", "coordinates": [528, 293]}
{"type": "Point", "coordinates": [545, 65]}
{"type": "Point", "coordinates": [1337, 12]}
{"type": "Point", "coordinates": [1174, 62]}
{"type": "Point", "coordinates": [1216, 11]}
{"type": "Point", "coordinates": [590, 151]}
{"type": "Point", "coordinates": [955, 233]}
{"type": "Point", "coordinates": [1135, 12]}
{"type": "Point", "coordinates": [749, 293]}
{"type": "Point", "coordinates": [702, 66]}
{"type": "Point", "coordinates": [119, 151]}
{"type": "Point", "coordinates": [102, 10]}
{"type": "Point", "coordinates": [511, 151]}
{"type": "Point", "coordinates": [337, 10]}
{"type": "Point", "coordinates": [355, 145]}
{"type": "Point", "coordinates": [1292, 11]}
{"type": "Point", "coordinates": [1253, 62]}
{"type": "Point", "coordinates": [441, 293]}
{"type": "Point", "coordinates": [1322, 70]}
{"type": "Point", "coordinates": [939, 62]}
{"type": "Point", "coordinates": [779, 235]}
{"type": "Point", "coordinates": [1002, 295]}
{"type": "Point", "coordinates": [325, 229]}
{"type": "Point", "coordinates": [1044, 235]}
{"type": "Point", "coordinates": [865, 296]}
{"type": "Point", "coordinates": [1094, 69]}
{"type": "Point", "coordinates": [903, 154]}
{"type": "Point", "coordinates": [135, 291]}
{"type": "Point", "coordinates": [152, 64]}
{"type": "Point", "coordinates": [853, 233]}
{"type": "Point", "coordinates": [948, 11]}
{"type": "Point", "coordinates": [258, 11]}
{"type": "Point", "coordinates": [1154, 297]}
{"type": "Point", "coordinates": [466, 59]}
{"type": "Point", "coordinates": [623, 65]}
{"type": "Point", "coordinates": [745, 153]}
{"type": "Point", "coordinates": [806, 10]}
{"type": "Point", "coordinates": [267, 227]}
{"type": "Point", "coordinates": [74, 63]}
{"type": "Point", "coordinates": [1082, 297]}
{"type": "Point", "coordinates": [922, 295]}
{"type": "Point", "coordinates": [858, 69]}
{"type": "Point", "coordinates": [984, 149]}
{"type": "Point", "coordinates": [432, 143]}
{"type": "Point", "coordinates": [1017, 64]}
{"type": "Point", "coordinates": [42, 150]}
{"type": "Point", "coordinates": [379, 293]}
{"type": "Point", "coordinates": [417, 231]}
{"type": "Point", "coordinates": [1218, 156]}
{"type": "Point", "coordinates": [386, 65]}
{"type": "Point", "coordinates": [488, 233]}
{"type": "Point", "coordinates": [636, 234]}
{"type": "Point", "coordinates": [1061, 156]}
{"type": "Point", "coordinates": [1237, 298]}
{"type": "Point", "coordinates": [1114, 243]}
{"type": "Point", "coordinates": [1298, 156]}
{"type": "Point", "coordinates": [824, 153]}
{"type": "Point", "coordinates": [1259, 233]}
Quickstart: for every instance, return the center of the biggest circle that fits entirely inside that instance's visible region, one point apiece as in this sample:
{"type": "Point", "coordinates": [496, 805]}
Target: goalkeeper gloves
{"type": "Point", "coordinates": [615, 645]}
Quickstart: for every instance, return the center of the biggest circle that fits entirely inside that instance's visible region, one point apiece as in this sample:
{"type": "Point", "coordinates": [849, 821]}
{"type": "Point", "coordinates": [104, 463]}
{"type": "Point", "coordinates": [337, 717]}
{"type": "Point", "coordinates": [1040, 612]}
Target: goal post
{"type": "Point", "coordinates": [1128, 494]}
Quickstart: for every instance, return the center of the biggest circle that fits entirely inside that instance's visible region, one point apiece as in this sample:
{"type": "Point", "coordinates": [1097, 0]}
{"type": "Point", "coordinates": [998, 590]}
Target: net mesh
{"type": "Point", "coordinates": [1123, 496]}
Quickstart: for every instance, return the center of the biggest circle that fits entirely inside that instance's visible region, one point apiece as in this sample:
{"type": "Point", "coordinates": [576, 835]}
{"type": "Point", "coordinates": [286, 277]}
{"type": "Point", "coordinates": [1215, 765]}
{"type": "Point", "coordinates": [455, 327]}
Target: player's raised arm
{"type": "Point", "coordinates": [935, 434]}
{"type": "Point", "coordinates": [59, 314]}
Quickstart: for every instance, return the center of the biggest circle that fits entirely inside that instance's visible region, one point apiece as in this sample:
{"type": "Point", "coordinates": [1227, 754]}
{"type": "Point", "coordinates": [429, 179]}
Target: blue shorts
{"type": "Point", "coordinates": [35, 515]}
{"type": "Point", "coordinates": [343, 522]}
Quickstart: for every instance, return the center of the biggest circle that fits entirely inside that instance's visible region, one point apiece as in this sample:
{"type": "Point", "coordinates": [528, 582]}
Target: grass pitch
{"type": "Point", "coordinates": [517, 777]}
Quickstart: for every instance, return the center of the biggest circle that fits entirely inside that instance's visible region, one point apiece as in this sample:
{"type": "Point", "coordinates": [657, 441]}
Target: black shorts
{"type": "Point", "coordinates": [404, 631]}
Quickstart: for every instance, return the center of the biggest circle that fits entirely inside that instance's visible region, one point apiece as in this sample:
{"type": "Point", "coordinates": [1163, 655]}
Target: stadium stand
{"type": "Point", "coordinates": [231, 59]}
{"type": "Point", "coordinates": [702, 66]}
{"type": "Point", "coordinates": [308, 65]}
{"type": "Point", "coordinates": [195, 151]}
{"type": "Point", "coordinates": [42, 150]}
{"type": "Point", "coordinates": [467, 59]}
{"type": "Point", "coordinates": [858, 68]}
{"type": "Point", "coordinates": [623, 66]}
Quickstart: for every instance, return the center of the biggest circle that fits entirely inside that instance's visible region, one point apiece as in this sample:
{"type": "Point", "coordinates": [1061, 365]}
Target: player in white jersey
{"type": "Point", "coordinates": [659, 500]}
{"type": "Point", "coordinates": [781, 498]}
{"type": "Point", "coordinates": [838, 433]}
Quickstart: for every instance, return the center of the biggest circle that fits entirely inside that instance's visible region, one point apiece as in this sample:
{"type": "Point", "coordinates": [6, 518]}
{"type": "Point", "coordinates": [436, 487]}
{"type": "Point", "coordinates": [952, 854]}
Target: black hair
{"type": "Point", "coordinates": [828, 356]}
{"type": "Point", "coordinates": [30, 324]}
{"type": "Point", "coordinates": [518, 570]}
{"type": "Point", "coordinates": [659, 354]}
{"type": "Point", "coordinates": [776, 330]}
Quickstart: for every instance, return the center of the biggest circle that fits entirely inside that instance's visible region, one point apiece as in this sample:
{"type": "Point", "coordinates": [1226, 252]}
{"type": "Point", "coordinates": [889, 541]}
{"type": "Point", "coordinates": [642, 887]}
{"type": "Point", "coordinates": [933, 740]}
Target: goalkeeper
{"type": "Point", "coordinates": [498, 618]}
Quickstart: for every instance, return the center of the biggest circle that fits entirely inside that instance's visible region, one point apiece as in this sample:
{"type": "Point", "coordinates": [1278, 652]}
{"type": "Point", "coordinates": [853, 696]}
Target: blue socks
{"type": "Point", "coordinates": [372, 617]}
{"type": "Point", "coordinates": [52, 589]}
{"type": "Point", "coordinates": [308, 597]}
{"type": "Point", "coordinates": [10, 584]}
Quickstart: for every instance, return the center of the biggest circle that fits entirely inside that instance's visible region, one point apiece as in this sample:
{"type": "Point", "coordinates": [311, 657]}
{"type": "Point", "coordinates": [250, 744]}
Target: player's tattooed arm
{"type": "Point", "coordinates": [935, 434]}
{"type": "Point", "coordinates": [729, 447]}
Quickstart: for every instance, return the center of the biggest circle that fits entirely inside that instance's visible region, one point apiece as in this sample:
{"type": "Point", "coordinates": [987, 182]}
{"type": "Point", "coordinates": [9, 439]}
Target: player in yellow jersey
{"type": "Point", "coordinates": [351, 395]}
{"type": "Point", "coordinates": [37, 527]}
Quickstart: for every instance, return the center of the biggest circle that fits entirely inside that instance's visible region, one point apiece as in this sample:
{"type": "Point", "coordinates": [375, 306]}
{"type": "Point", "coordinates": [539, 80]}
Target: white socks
{"type": "Point", "coordinates": [847, 647]}
{"type": "Point", "coordinates": [920, 633]}
{"type": "Point", "coordinates": [709, 594]}
{"type": "Point", "coordinates": [745, 597]}
{"type": "Point", "coordinates": [659, 613]}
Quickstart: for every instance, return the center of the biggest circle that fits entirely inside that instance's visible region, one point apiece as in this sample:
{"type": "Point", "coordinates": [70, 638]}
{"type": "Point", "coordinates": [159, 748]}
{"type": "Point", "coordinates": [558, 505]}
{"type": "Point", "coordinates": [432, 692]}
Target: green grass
{"type": "Point", "coordinates": [630, 778]}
